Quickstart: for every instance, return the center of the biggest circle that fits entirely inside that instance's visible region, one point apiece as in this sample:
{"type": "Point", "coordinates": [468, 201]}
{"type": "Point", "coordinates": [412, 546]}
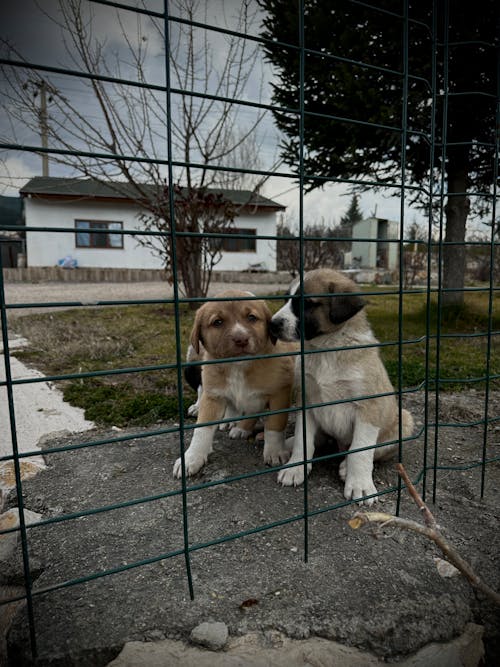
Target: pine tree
{"type": "Point", "coordinates": [388, 85]}
{"type": "Point", "coordinates": [352, 215]}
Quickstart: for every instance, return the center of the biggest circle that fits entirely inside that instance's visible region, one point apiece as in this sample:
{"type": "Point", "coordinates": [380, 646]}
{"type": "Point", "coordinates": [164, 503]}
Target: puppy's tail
{"type": "Point", "coordinates": [408, 423]}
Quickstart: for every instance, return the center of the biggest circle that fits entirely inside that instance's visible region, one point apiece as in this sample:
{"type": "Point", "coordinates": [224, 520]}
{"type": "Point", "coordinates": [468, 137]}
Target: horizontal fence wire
{"type": "Point", "coordinates": [430, 342]}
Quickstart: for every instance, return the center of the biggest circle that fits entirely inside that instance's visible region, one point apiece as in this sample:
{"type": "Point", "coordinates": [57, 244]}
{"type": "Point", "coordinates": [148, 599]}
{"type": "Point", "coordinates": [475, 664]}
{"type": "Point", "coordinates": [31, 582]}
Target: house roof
{"type": "Point", "coordinates": [47, 187]}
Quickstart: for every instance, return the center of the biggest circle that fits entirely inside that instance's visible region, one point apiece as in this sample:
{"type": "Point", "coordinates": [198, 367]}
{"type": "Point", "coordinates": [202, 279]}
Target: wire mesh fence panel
{"type": "Point", "coordinates": [188, 148]}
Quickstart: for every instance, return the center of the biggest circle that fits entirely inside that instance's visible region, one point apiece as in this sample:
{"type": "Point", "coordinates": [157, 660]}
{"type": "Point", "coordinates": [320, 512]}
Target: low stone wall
{"type": "Point", "coordinates": [49, 274]}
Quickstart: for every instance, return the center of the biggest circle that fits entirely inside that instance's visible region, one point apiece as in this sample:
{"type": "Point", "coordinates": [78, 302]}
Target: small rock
{"type": "Point", "coordinates": [211, 635]}
{"type": "Point", "coordinates": [445, 569]}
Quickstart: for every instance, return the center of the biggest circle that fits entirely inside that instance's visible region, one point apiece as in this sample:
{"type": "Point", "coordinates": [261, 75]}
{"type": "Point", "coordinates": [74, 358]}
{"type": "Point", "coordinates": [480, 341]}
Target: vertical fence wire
{"type": "Point", "coordinates": [442, 190]}
{"type": "Point", "coordinates": [493, 268]}
{"type": "Point", "coordinates": [178, 342]}
{"type": "Point", "coordinates": [16, 462]}
{"type": "Point", "coordinates": [301, 36]}
{"type": "Point", "coordinates": [403, 141]}
{"type": "Point", "coordinates": [430, 247]}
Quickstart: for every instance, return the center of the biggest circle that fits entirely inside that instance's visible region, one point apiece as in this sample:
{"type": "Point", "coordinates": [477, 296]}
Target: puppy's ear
{"type": "Point", "coordinates": [266, 312]}
{"type": "Point", "coordinates": [344, 306]}
{"type": "Point", "coordinates": [196, 337]}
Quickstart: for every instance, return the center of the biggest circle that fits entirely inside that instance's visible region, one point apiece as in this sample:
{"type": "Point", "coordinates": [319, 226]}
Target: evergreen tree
{"type": "Point", "coordinates": [352, 215]}
{"type": "Point", "coordinates": [391, 98]}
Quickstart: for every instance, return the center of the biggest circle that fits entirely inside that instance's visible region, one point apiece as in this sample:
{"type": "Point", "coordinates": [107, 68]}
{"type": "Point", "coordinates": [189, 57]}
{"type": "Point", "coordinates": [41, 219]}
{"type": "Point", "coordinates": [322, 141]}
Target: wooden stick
{"type": "Point", "coordinates": [426, 513]}
{"type": "Point", "coordinates": [430, 531]}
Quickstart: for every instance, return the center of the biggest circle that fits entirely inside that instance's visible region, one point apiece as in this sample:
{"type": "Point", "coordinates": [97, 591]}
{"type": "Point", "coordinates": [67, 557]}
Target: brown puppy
{"type": "Point", "coordinates": [332, 317]}
{"type": "Point", "coordinates": [236, 328]}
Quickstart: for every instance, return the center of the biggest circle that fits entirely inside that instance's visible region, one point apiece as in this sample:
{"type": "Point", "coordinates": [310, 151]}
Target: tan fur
{"type": "Point", "coordinates": [239, 327]}
{"type": "Point", "coordinates": [344, 375]}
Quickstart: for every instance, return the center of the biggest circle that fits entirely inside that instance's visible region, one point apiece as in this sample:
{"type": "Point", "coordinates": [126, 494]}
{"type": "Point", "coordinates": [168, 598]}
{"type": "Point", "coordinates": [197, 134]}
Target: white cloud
{"type": "Point", "coordinates": [15, 171]}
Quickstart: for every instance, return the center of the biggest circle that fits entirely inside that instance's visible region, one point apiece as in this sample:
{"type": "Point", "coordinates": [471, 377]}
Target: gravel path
{"type": "Point", "coordinates": [90, 293]}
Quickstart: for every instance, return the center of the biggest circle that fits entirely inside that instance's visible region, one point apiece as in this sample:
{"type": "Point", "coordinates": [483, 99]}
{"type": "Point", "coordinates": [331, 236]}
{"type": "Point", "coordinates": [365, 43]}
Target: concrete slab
{"type": "Point", "coordinates": [263, 650]}
{"type": "Point", "coordinates": [115, 576]}
{"type": "Point", "coordinates": [39, 411]}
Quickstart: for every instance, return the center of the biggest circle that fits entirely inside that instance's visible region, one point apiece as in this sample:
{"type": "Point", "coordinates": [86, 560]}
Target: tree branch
{"type": "Point", "coordinates": [429, 530]}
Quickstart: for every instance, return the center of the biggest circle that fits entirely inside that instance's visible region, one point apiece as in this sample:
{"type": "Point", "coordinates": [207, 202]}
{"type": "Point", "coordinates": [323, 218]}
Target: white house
{"type": "Point", "coordinates": [67, 210]}
{"type": "Point", "coordinates": [374, 244]}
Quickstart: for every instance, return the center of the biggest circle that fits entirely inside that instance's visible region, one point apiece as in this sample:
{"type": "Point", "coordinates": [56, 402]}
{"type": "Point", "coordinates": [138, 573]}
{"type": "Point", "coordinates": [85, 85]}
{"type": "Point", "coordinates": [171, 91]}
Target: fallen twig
{"type": "Point", "coordinates": [429, 519]}
{"type": "Point", "coordinates": [430, 530]}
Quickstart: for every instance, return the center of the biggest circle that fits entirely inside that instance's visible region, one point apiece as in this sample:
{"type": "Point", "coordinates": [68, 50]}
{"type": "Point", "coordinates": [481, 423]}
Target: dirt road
{"type": "Point", "coordinates": [73, 293]}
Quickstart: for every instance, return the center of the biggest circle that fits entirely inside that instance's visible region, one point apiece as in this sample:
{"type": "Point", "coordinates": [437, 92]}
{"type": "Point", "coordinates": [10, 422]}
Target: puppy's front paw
{"type": "Point", "coordinates": [194, 463]}
{"type": "Point", "coordinates": [275, 455]}
{"type": "Point", "coordinates": [357, 487]}
{"type": "Point", "coordinates": [193, 410]}
{"type": "Point", "coordinates": [293, 476]}
{"type": "Point", "coordinates": [236, 433]}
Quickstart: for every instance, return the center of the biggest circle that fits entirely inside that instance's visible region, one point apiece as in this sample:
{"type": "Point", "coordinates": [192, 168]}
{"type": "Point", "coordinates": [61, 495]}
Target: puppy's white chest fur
{"type": "Point", "coordinates": [236, 391]}
{"type": "Point", "coordinates": [326, 380]}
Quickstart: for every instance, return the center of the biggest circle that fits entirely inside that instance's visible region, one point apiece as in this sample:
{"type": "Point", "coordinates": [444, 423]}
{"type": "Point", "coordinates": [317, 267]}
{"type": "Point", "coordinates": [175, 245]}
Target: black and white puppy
{"type": "Point", "coordinates": [340, 369]}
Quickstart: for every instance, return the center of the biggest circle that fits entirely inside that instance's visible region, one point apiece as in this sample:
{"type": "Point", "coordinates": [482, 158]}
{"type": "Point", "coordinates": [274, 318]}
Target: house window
{"type": "Point", "coordinates": [89, 236]}
{"type": "Point", "coordinates": [240, 245]}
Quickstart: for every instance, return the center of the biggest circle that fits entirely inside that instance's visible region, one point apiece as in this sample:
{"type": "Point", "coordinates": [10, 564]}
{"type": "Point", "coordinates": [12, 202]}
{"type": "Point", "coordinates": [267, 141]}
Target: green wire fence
{"type": "Point", "coordinates": [432, 339]}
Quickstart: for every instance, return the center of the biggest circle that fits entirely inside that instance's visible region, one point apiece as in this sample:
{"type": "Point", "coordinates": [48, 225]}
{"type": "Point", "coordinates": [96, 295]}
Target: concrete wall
{"type": "Point", "coordinates": [373, 233]}
{"type": "Point", "coordinates": [46, 248]}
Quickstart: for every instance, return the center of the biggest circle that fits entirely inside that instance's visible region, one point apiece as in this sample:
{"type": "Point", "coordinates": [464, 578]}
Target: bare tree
{"type": "Point", "coordinates": [115, 129]}
{"type": "Point", "coordinates": [195, 209]}
{"type": "Point", "coordinates": [480, 255]}
{"type": "Point", "coordinates": [414, 255]}
{"type": "Point", "coordinates": [320, 247]}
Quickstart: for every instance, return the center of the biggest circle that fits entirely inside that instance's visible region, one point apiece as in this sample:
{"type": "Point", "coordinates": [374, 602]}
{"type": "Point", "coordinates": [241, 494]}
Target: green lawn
{"type": "Point", "coordinates": [137, 337]}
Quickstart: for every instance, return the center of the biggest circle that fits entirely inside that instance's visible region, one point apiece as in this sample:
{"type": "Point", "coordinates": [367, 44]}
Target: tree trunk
{"type": "Point", "coordinates": [189, 267]}
{"type": "Point", "coordinates": [454, 255]}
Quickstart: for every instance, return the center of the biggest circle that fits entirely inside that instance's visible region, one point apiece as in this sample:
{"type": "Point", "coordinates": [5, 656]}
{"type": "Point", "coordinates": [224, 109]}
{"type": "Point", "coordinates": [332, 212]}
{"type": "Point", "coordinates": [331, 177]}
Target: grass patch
{"type": "Point", "coordinates": [108, 339]}
{"type": "Point", "coordinates": [124, 337]}
{"type": "Point", "coordinates": [121, 404]}
{"type": "Point", "coordinates": [458, 340]}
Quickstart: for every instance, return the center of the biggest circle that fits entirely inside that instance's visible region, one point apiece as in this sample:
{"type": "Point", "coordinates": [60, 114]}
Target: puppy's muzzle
{"type": "Point", "coordinates": [282, 328]}
{"type": "Point", "coordinates": [240, 341]}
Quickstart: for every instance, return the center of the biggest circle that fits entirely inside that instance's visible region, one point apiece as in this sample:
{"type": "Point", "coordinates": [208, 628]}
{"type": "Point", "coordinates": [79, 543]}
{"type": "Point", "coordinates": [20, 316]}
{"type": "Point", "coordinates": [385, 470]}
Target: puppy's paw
{"type": "Point", "coordinates": [357, 487]}
{"type": "Point", "coordinates": [225, 426]}
{"type": "Point", "coordinates": [194, 463]}
{"type": "Point", "coordinates": [239, 433]}
{"type": "Point", "coordinates": [293, 476]}
{"type": "Point", "coordinates": [275, 455]}
{"type": "Point", "coordinates": [343, 469]}
{"type": "Point", "coordinates": [193, 410]}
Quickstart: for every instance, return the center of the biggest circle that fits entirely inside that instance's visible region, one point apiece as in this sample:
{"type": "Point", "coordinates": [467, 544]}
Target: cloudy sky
{"type": "Point", "coordinates": [25, 25]}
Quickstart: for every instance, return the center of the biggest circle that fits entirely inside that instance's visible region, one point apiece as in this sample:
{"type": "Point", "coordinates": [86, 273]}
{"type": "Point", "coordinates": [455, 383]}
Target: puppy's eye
{"type": "Point", "coordinates": [218, 322]}
{"type": "Point", "coordinates": [251, 317]}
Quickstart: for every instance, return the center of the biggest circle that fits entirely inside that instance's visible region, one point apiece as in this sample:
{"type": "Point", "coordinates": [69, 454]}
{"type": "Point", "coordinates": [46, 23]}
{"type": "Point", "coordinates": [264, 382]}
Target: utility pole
{"type": "Point", "coordinates": [44, 130]}
{"type": "Point", "coordinates": [42, 87]}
